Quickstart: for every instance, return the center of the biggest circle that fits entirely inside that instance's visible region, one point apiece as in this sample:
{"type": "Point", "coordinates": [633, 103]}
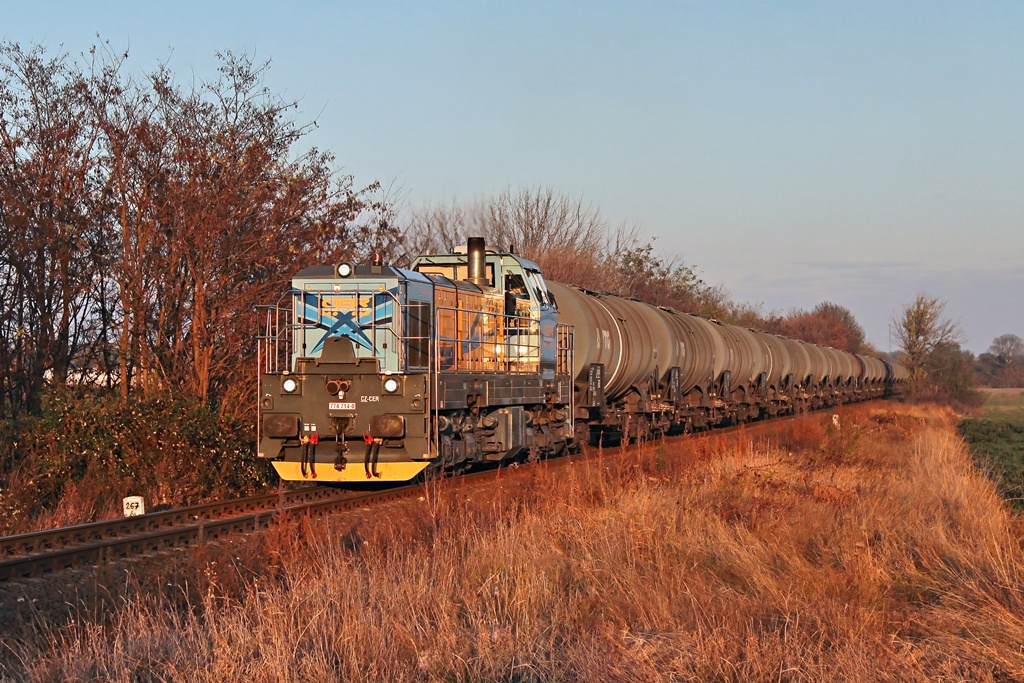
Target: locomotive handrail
{"type": "Point", "coordinates": [277, 346]}
{"type": "Point", "coordinates": [270, 341]}
{"type": "Point", "coordinates": [511, 356]}
{"type": "Point", "coordinates": [489, 342]}
{"type": "Point", "coordinates": [454, 342]}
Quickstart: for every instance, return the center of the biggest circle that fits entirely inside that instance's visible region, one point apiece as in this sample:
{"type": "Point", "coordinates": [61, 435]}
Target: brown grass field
{"type": "Point", "coordinates": [1001, 403]}
{"type": "Point", "coordinates": [869, 552]}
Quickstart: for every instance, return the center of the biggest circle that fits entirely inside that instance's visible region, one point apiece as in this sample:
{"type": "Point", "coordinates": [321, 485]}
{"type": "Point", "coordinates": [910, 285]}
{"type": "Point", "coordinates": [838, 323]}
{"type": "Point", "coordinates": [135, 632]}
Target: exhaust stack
{"type": "Point", "coordinates": [475, 250]}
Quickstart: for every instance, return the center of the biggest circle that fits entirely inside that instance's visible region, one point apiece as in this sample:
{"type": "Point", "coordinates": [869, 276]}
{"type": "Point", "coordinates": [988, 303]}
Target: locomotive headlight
{"type": "Point", "coordinates": [391, 385]}
{"type": "Point", "coordinates": [290, 385]}
{"type": "Point", "coordinates": [344, 269]}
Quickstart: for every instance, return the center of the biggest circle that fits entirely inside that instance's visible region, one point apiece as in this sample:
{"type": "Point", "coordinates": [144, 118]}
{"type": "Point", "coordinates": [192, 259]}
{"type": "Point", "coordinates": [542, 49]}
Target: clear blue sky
{"type": "Point", "coordinates": [795, 152]}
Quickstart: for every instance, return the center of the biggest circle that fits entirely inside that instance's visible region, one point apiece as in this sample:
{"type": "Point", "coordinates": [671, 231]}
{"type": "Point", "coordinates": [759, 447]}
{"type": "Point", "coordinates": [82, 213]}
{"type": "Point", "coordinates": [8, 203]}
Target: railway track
{"type": "Point", "coordinates": [41, 553]}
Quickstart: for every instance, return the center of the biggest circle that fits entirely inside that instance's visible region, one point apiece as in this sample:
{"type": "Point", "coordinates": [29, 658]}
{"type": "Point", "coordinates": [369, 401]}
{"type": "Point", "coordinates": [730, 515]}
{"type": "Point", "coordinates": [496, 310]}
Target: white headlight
{"type": "Point", "coordinates": [289, 385]}
{"type": "Point", "coordinates": [344, 269]}
{"type": "Point", "coordinates": [391, 385]}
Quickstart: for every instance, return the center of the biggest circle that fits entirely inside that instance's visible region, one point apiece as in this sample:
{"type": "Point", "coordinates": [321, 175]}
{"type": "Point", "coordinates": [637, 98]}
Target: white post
{"type": "Point", "coordinates": [134, 505]}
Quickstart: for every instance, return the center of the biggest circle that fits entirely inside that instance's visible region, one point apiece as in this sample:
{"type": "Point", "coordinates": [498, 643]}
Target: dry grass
{"type": "Point", "coordinates": [872, 551]}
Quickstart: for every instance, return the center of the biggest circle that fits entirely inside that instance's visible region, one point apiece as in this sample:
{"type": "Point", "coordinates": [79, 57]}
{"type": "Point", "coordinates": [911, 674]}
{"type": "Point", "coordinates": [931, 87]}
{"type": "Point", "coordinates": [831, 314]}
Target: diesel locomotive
{"type": "Point", "coordinates": [375, 373]}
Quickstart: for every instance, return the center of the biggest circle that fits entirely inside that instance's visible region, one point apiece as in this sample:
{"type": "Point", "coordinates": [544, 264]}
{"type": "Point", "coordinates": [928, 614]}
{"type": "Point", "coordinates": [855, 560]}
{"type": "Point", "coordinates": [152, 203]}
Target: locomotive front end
{"type": "Point", "coordinates": [344, 362]}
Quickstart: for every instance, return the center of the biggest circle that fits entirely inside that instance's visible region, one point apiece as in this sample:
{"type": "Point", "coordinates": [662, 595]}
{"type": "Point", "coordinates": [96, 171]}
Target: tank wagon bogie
{"type": "Point", "coordinates": [372, 372]}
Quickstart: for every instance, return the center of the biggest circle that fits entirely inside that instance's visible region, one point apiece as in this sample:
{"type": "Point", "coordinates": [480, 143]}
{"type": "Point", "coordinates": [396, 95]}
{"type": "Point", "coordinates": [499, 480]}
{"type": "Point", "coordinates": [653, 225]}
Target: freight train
{"type": "Point", "coordinates": [376, 373]}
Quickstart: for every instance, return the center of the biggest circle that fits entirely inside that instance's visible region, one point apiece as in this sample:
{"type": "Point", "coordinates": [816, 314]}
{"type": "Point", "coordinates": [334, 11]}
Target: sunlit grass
{"type": "Point", "coordinates": [871, 550]}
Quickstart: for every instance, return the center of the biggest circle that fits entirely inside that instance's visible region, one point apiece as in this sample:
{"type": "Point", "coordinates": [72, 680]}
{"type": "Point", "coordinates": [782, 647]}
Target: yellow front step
{"type": "Point", "coordinates": [353, 472]}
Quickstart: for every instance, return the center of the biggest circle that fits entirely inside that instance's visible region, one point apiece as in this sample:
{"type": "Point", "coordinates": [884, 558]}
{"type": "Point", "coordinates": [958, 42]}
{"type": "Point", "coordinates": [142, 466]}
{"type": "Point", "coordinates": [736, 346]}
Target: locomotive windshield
{"type": "Point", "coordinates": [363, 312]}
{"type": "Point", "coordinates": [540, 289]}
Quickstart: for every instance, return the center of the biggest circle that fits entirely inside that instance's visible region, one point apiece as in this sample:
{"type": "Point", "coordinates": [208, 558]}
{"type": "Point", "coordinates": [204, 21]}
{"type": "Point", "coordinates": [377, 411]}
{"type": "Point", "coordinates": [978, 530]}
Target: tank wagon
{"type": "Point", "coordinates": [372, 372]}
{"type": "Point", "coordinates": [640, 370]}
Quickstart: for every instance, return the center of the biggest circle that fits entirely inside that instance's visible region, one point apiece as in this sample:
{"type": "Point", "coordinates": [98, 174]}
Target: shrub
{"type": "Point", "coordinates": [75, 462]}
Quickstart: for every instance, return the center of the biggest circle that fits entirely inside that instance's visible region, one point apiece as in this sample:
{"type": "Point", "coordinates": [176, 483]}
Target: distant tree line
{"type": "Point", "coordinates": [1003, 364]}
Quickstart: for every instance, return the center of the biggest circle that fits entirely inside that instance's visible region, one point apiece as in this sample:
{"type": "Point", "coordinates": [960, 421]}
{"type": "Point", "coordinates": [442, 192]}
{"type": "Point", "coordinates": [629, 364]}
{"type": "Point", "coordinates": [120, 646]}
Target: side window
{"type": "Point", "coordinates": [540, 289]}
{"type": "Point", "coordinates": [517, 295]}
{"type": "Point", "coordinates": [417, 332]}
{"type": "Point", "coordinates": [515, 285]}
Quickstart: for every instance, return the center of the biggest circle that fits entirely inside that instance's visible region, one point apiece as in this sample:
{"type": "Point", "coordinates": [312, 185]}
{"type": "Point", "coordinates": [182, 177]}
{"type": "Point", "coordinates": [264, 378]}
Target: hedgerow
{"type": "Point", "coordinates": [75, 461]}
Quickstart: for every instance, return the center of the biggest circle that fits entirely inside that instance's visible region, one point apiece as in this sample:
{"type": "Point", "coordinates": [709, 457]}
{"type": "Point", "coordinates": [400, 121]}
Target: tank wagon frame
{"type": "Point", "coordinates": [371, 372]}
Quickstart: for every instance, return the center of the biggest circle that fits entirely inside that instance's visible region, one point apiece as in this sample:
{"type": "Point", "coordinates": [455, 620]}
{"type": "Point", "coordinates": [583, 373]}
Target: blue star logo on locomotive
{"type": "Point", "coordinates": [349, 324]}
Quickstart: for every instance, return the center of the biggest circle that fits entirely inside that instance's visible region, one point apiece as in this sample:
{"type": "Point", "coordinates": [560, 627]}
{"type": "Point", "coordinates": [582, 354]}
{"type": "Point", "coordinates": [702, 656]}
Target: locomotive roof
{"type": "Point", "coordinates": [328, 273]}
{"type": "Point", "coordinates": [459, 255]}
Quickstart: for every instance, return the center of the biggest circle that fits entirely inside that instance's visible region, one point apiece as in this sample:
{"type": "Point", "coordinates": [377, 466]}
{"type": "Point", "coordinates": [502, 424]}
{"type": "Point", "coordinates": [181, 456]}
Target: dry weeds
{"type": "Point", "coordinates": [871, 551]}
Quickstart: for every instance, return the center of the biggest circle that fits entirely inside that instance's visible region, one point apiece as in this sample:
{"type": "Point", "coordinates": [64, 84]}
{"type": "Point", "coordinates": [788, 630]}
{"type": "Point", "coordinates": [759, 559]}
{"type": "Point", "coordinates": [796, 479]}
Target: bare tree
{"type": "Point", "coordinates": [236, 214]}
{"type": "Point", "coordinates": [51, 215]}
{"type": "Point", "coordinates": [565, 235]}
{"type": "Point", "coordinates": [1008, 348]}
{"type": "Point", "coordinates": [141, 221]}
{"type": "Point", "coordinates": [536, 222]}
{"type": "Point", "coordinates": [433, 229]}
{"type": "Point", "coordinates": [920, 330]}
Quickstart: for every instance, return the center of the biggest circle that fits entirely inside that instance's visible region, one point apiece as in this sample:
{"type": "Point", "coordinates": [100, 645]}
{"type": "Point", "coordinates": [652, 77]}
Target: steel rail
{"type": "Point", "coordinates": [38, 553]}
{"type": "Point", "coordinates": [184, 534]}
{"type": "Point", "coordinates": [36, 542]}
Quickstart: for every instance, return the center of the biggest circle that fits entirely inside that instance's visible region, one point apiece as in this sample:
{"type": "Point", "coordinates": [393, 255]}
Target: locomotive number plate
{"type": "Point", "coordinates": [341, 406]}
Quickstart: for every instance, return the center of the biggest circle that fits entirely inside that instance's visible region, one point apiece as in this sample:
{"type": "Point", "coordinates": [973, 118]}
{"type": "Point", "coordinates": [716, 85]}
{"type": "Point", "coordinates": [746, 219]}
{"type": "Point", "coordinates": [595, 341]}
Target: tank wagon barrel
{"type": "Point", "coordinates": [641, 370]}
{"type": "Point", "coordinates": [701, 353]}
{"type": "Point", "coordinates": [778, 363]}
{"type": "Point", "coordinates": [384, 373]}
